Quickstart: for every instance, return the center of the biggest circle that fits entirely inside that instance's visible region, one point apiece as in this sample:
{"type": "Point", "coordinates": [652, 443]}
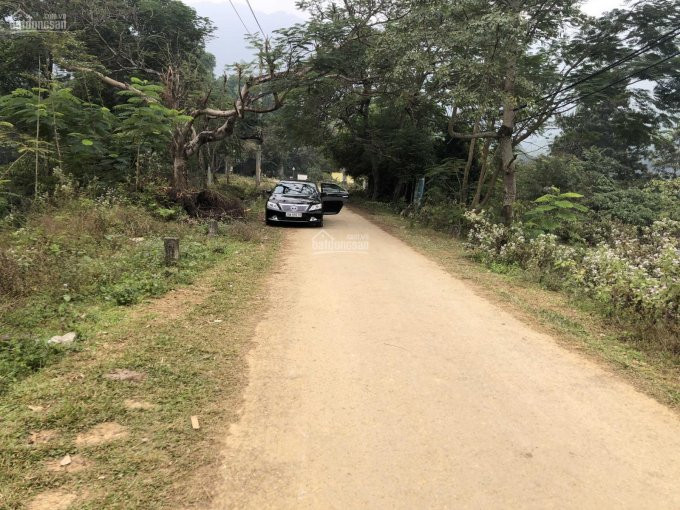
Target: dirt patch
{"type": "Point", "coordinates": [102, 433]}
{"type": "Point", "coordinates": [42, 436]}
{"type": "Point", "coordinates": [174, 304]}
{"type": "Point", "coordinates": [52, 500]}
{"type": "Point", "coordinates": [78, 463]}
{"type": "Point", "coordinates": [123, 374]}
{"type": "Point", "coordinates": [138, 405]}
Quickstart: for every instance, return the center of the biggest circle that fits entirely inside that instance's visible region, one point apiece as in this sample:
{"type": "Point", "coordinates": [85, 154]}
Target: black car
{"type": "Point", "coordinates": [302, 202]}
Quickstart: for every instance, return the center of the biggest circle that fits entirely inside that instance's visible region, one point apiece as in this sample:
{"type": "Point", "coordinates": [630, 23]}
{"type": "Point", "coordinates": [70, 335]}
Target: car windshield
{"type": "Point", "coordinates": [295, 188]}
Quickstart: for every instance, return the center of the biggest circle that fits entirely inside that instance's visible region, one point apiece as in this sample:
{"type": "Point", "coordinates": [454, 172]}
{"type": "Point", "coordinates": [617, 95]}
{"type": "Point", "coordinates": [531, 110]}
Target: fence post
{"type": "Point", "coordinates": [213, 228]}
{"type": "Point", "coordinates": [171, 250]}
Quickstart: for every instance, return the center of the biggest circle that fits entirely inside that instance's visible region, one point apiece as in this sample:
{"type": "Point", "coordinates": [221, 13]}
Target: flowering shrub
{"type": "Point", "coordinates": [636, 272]}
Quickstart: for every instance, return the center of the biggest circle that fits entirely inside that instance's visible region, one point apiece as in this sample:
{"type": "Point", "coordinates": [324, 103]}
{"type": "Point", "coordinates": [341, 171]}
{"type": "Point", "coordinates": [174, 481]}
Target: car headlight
{"type": "Point", "coordinates": [315, 207]}
{"type": "Point", "coordinates": [272, 205]}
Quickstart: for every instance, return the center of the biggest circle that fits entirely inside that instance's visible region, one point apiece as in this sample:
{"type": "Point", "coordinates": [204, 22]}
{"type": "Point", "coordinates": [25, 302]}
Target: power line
{"type": "Point", "coordinates": [616, 82]}
{"type": "Point", "coordinates": [668, 35]}
{"type": "Point", "coordinates": [544, 147]}
{"type": "Point", "coordinates": [239, 17]}
{"type": "Point", "coordinates": [256, 20]}
{"type": "Point", "coordinates": [663, 38]}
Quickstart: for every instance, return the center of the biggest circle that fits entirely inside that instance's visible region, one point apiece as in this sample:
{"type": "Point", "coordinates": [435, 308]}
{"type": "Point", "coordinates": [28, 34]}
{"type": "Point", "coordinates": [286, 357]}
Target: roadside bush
{"type": "Point", "coordinates": [445, 216]}
{"type": "Point", "coordinates": [640, 206]}
{"type": "Point", "coordinates": [637, 274]}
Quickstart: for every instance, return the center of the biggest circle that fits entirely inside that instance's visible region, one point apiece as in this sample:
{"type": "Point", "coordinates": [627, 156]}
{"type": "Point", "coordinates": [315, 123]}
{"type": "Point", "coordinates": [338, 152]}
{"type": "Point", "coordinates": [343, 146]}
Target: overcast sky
{"type": "Point", "coordinates": [591, 7]}
{"type": "Point", "coordinates": [228, 44]}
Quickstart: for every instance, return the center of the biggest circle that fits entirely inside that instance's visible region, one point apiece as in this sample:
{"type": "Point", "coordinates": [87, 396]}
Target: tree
{"type": "Point", "coordinates": [144, 45]}
{"type": "Point", "coordinates": [614, 114]}
{"type": "Point", "coordinates": [146, 125]}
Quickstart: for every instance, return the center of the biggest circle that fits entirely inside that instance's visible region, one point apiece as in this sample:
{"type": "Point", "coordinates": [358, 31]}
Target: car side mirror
{"type": "Point", "coordinates": [323, 194]}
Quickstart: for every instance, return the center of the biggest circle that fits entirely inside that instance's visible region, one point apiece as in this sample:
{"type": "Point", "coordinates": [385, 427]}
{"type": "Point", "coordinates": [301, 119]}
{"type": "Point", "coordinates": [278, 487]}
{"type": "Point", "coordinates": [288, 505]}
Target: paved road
{"type": "Point", "coordinates": [380, 381]}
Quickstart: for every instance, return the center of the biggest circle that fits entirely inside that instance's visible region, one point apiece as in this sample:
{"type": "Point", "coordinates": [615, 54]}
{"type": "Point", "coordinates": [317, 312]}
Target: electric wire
{"type": "Point", "coordinates": [256, 20]}
{"type": "Point", "coordinates": [239, 17]}
{"type": "Point", "coordinates": [651, 44]}
{"type": "Point", "coordinates": [616, 82]}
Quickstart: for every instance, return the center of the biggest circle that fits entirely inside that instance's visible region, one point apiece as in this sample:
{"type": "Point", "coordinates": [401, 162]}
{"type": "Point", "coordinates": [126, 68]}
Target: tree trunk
{"type": "Point", "coordinates": [398, 189]}
{"type": "Point", "coordinates": [375, 173]}
{"type": "Point", "coordinates": [505, 143]}
{"type": "Point", "coordinates": [468, 165]}
{"type": "Point", "coordinates": [492, 185]}
{"type": "Point", "coordinates": [180, 176]}
{"type": "Point", "coordinates": [258, 165]}
{"type": "Point", "coordinates": [482, 174]}
{"type": "Point", "coordinates": [281, 171]}
{"type": "Point", "coordinates": [137, 168]}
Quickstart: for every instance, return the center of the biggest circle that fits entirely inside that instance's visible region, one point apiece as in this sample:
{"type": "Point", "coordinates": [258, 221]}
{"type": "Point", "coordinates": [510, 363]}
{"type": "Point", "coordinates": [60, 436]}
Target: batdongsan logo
{"type": "Point", "coordinates": [323, 242]}
{"type": "Point", "coordinates": [21, 21]}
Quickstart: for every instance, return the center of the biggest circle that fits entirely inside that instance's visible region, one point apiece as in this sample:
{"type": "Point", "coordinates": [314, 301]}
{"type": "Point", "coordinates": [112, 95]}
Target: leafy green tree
{"type": "Point", "coordinates": [611, 112]}
{"type": "Point", "coordinates": [55, 128]}
{"type": "Point", "coordinates": [640, 206]}
{"type": "Point", "coordinates": [145, 125]}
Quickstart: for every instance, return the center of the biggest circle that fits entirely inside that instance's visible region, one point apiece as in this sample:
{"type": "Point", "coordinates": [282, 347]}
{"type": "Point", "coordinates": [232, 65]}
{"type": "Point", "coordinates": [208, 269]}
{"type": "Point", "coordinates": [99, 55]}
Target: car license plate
{"type": "Point", "coordinates": [294, 215]}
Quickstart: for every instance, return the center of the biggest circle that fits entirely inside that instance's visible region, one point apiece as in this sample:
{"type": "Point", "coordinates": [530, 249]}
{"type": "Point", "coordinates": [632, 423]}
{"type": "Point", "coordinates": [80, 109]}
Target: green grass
{"type": "Point", "coordinates": [69, 266]}
{"type": "Point", "coordinates": [191, 346]}
{"type": "Point", "coordinates": [576, 322]}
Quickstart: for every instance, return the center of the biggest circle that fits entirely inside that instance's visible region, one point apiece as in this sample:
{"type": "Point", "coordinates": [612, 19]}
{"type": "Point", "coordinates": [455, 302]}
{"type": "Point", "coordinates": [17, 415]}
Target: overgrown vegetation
{"type": "Point", "coordinates": [73, 258]}
{"type": "Point", "coordinates": [190, 348]}
{"type": "Point", "coordinates": [635, 277]}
